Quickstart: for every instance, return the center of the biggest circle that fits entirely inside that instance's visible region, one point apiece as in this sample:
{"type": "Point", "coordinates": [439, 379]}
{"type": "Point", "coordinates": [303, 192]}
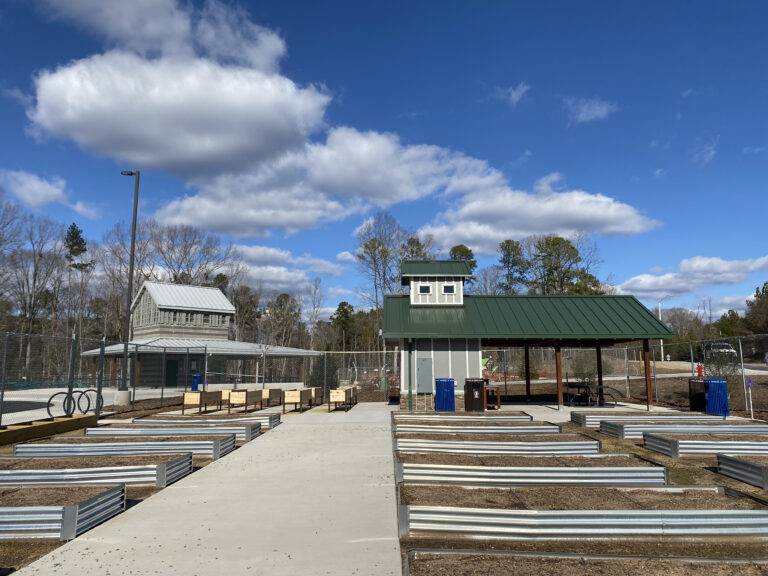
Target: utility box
{"type": "Point", "coordinates": [717, 397]}
{"type": "Point", "coordinates": [445, 399]}
{"type": "Point", "coordinates": [697, 394]}
{"type": "Point", "coordinates": [474, 394]}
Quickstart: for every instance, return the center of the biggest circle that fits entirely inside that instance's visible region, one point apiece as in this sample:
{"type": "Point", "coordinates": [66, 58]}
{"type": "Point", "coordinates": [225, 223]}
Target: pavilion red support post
{"type": "Point", "coordinates": [559, 376]}
{"type": "Point", "coordinates": [599, 358]}
{"type": "Point", "coordinates": [647, 366]}
{"type": "Point", "coordinates": [527, 372]}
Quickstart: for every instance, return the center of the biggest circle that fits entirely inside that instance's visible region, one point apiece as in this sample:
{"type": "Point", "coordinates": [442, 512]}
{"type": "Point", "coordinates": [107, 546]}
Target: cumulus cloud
{"type": "Point", "coordinates": [511, 95]}
{"type": "Point", "coordinates": [583, 110]}
{"type": "Point", "coordinates": [483, 218]}
{"type": "Point", "coordinates": [277, 279]}
{"type": "Point", "coordinates": [346, 257]}
{"type": "Point", "coordinates": [692, 275]}
{"type": "Point", "coordinates": [267, 256]}
{"type": "Point", "coordinates": [36, 192]}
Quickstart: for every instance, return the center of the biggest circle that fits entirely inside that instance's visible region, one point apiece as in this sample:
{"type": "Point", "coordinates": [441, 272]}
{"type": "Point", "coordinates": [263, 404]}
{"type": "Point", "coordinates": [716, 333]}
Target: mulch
{"type": "Point", "coordinates": [717, 437]}
{"type": "Point", "coordinates": [82, 462]}
{"type": "Point", "coordinates": [45, 496]}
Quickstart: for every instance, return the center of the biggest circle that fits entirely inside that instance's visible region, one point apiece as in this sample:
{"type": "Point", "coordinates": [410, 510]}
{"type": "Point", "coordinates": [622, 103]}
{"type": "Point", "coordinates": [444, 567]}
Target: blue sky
{"type": "Point", "coordinates": [285, 125]}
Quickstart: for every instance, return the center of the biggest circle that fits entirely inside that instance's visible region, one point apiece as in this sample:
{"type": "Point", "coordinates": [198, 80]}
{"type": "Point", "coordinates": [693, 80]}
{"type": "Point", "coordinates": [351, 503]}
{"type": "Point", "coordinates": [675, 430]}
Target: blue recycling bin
{"type": "Point", "coordinates": [717, 396]}
{"type": "Point", "coordinates": [445, 400]}
{"type": "Point", "coordinates": [194, 384]}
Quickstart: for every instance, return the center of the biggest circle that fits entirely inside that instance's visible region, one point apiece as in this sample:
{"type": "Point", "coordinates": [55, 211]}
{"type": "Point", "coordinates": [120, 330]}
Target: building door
{"type": "Point", "coordinates": [424, 376]}
{"type": "Point", "coordinates": [171, 373]}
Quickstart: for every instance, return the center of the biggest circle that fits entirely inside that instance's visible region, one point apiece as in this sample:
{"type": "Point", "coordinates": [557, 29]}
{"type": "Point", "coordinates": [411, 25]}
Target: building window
{"type": "Point", "coordinates": [449, 289]}
{"type": "Point", "coordinates": [206, 318]}
{"type": "Point", "coordinates": [425, 289]}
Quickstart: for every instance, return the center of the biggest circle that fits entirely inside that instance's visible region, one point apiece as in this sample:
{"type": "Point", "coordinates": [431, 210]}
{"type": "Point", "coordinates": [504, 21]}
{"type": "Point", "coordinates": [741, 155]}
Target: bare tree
{"type": "Point", "coordinates": [10, 220]}
{"type": "Point", "coordinates": [316, 298]}
{"type": "Point", "coordinates": [189, 255]}
{"type": "Point", "coordinates": [32, 266]}
{"type": "Point", "coordinates": [488, 281]}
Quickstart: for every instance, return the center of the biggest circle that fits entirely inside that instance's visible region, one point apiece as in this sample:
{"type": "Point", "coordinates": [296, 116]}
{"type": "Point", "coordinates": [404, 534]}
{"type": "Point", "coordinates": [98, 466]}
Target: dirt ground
{"type": "Point", "coordinates": [482, 565]}
{"type": "Point", "coordinates": [143, 408]}
{"type": "Point", "coordinates": [754, 458]}
{"type": "Point", "coordinates": [572, 498]}
{"type": "Point", "coordinates": [717, 437]}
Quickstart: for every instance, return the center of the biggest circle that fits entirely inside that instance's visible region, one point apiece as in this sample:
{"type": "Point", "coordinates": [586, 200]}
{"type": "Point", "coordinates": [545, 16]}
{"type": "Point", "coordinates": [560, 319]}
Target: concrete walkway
{"type": "Point", "coordinates": [315, 495]}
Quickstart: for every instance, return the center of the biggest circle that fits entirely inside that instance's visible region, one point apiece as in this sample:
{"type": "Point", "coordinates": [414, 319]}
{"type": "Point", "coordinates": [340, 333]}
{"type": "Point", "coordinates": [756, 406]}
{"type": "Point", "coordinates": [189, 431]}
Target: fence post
{"type": "Point", "coordinates": [2, 386]}
{"type": "Point", "coordinates": [186, 371]}
{"type": "Point", "coordinates": [693, 369]}
{"type": "Point", "coordinates": [626, 371]}
{"type": "Point", "coordinates": [743, 378]}
{"type": "Point", "coordinates": [325, 375]}
{"type": "Point", "coordinates": [655, 382]}
{"type": "Point", "coordinates": [162, 379]}
{"type": "Point", "coordinates": [205, 367]}
{"type": "Point", "coordinates": [133, 375]}
{"type": "Point", "coordinates": [504, 360]}
{"type": "Point", "coordinates": [71, 381]}
{"type": "Point", "coordinates": [100, 377]}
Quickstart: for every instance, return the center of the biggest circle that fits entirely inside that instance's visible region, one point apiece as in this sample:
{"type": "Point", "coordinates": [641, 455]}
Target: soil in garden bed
{"type": "Point", "coordinates": [45, 496]}
{"type": "Point", "coordinates": [523, 461]}
{"type": "Point", "coordinates": [717, 437]}
{"type": "Point", "coordinates": [481, 565]}
{"type": "Point", "coordinates": [82, 462]}
{"type": "Point", "coordinates": [461, 423]}
{"type": "Point", "coordinates": [496, 437]}
{"type": "Point", "coordinates": [137, 439]}
{"type": "Point", "coordinates": [223, 416]}
{"type": "Point", "coordinates": [572, 498]}
{"type": "Point", "coordinates": [142, 408]}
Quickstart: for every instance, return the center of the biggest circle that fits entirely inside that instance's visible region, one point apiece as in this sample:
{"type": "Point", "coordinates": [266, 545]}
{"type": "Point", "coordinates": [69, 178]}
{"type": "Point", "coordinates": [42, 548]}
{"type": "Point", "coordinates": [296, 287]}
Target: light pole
{"type": "Point", "coordinates": [129, 290]}
{"type": "Point", "coordinates": [661, 340]}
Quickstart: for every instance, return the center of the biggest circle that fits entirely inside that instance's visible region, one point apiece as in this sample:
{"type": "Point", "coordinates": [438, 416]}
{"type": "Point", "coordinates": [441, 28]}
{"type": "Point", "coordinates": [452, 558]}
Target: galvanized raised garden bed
{"type": "Point", "coordinates": [496, 418]}
{"type": "Point", "coordinates": [676, 447]}
{"type": "Point", "coordinates": [482, 447]}
{"type": "Point", "coordinates": [628, 430]}
{"type": "Point", "coordinates": [160, 475]}
{"type": "Point", "coordinates": [62, 522]}
{"type": "Point", "coordinates": [592, 419]}
{"type": "Point", "coordinates": [507, 477]}
{"type": "Point", "coordinates": [755, 473]}
{"type": "Point", "coordinates": [266, 420]}
{"type": "Point", "coordinates": [429, 521]}
{"type": "Point", "coordinates": [440, 429]}
{"type": "Point", "coordinates": [212, 448]}
{"type": "Point", "coordinates": [242, 432]}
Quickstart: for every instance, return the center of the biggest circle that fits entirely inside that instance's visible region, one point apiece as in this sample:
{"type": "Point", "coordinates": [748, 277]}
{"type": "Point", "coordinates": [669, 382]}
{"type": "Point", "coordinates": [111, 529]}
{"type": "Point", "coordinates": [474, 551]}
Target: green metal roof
{"type": "Point", "coordinates": [435, 268]}
{"type": "Point", "coordinates": [525, 318]}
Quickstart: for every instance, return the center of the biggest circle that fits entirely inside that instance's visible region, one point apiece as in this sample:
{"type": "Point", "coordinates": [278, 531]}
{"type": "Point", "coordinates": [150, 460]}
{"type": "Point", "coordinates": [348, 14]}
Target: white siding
{"type": "Point", "coordinates": [437, 295]}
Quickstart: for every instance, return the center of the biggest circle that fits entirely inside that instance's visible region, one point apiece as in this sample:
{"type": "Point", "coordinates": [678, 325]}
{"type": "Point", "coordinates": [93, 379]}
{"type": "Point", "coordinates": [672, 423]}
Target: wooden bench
{"type": "Point", "coordinates": [202, 399]}
{"type": "Point", "coordinates": [243, 398]}
{"type": "Point", "coordinates": [346, 396]}
{"type": "Point", "coordinates": [297, 398]}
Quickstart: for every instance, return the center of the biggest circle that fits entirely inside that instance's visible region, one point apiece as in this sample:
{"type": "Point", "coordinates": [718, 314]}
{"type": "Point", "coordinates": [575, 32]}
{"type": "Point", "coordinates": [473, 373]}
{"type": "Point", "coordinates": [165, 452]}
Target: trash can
{"type": "Point", "coordinates": [697, 394]}
{"type": "Point", "coordinates": [474, 394]}
{"type": "Point", "coordinates": [194, 384]}
{"type": "Point", "coordinates": [717, 397]}
{"type": "Point", "coordinates": [445, 400]}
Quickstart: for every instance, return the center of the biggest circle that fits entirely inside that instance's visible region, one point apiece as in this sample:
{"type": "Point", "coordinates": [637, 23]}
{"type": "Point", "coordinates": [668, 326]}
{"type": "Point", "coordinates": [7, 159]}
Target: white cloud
{"type": "Point", "coordinates": [192, 117]}
{"type": "Point", "coordinates": [277, 279]}
{"type": "Point", "coordinates": [36, 192]}
{"type": "Point", "coordinates": [737, 303]}
{"type": "Point", "coordinates": [692, 275]}
{"type": "Point", "coordinates": [687, 93]}
{"type": "Point", "coordinates": [338, 291]}
{"type": "Point", "coordinates": [511, 94]}
{"type": "Point", "coordinates": [483, 218]}
{"type": "Point", "coordinates": [705, 151]}
{"type": "Point", "coordinates": [32, 190]}
{"type": "Point", "coordinates": [753, 150]}
{"type": "Point", "coordinates": [261, 256]}
{"type": "Point", "coordinates": [659, 173]}
{"type": "Point", "coordinates": [346, 257]}
{"type": "Point", "coordinates": [582, 110]}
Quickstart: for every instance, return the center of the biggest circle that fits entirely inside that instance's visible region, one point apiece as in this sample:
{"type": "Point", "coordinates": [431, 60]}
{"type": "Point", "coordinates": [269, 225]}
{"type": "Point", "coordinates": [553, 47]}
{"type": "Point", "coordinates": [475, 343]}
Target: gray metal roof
{"type": "Point", "coordinates": [183, 297]}
{"type": "Point", "coordinates": [214, 346]}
